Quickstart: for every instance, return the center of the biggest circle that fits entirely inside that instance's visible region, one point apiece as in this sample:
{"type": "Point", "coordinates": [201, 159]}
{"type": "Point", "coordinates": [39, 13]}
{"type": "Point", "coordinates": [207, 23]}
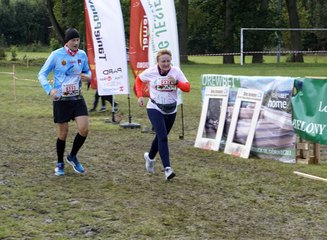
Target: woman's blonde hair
{"type": "Point", "coordinates": [163, 52]}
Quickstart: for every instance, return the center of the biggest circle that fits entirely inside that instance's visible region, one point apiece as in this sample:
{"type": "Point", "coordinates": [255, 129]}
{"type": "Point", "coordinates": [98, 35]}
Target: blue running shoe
{"type": "Point", "coordinates": [72, 160]}
{"type": "Point", "coordinates": [59, 170]}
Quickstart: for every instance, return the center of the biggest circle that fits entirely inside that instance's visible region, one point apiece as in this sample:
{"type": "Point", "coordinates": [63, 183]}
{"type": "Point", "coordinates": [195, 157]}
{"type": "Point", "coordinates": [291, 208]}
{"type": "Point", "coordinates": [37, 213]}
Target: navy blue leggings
{"type": "Point", "coordinates": [162, 125]}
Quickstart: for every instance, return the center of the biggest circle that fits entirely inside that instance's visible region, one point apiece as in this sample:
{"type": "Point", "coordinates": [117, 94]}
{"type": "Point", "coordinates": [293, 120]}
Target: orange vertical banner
{"type": "Point", "coordinates": [90, 48]}
{"type": "Point", "coordinates": [139, 41]}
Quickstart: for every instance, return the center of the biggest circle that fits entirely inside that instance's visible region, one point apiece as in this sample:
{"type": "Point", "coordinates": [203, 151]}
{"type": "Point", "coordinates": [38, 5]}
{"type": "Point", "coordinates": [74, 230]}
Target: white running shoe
{"type": "Point", "coordinates": [169, 173]}
{"type": "Point", "coordinates": [103, 109]}
{"type": "Point", "coordinates": [149, 163]}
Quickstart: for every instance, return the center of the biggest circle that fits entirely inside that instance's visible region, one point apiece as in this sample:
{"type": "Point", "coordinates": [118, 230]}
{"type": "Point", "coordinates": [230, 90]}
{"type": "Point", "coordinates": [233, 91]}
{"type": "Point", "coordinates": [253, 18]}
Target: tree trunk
{"type": "Point", "coordinates": [258, 57]}
{"type": "Point", "coordinates": [296, 43]}
{"type": "Point", "coordinates": [228, 33]}
{"type": "Point", "coordinates": [59, 32]}
{"type": "Point", "coordinates": [182, 22]}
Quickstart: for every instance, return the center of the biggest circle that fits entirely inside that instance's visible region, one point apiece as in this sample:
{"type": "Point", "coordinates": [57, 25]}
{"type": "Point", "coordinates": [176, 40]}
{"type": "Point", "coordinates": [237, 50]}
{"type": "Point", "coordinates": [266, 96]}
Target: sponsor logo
{"type": "Point", "coordinates": [144, 37]}
{"type": "Point", "coordinates": [112, 71]}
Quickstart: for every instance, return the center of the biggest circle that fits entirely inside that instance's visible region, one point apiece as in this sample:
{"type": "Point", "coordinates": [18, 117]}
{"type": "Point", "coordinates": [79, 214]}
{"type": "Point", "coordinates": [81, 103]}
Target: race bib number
{"type": "Point", "coordinates": [163, 84]}
{"type": "Point", "coordinates": [70, 89]}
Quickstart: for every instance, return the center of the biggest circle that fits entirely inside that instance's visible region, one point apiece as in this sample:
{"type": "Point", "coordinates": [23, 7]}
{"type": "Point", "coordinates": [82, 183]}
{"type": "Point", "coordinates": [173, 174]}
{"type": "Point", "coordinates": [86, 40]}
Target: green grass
{"type": "Point", "coordinates": [214, 196]}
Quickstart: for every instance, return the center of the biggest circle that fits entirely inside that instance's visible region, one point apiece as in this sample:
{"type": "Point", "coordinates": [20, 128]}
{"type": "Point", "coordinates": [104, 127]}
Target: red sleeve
{"type": "Point", "coordinates": [138, 86]}
{"type": "Point", "coordinates": [184, 86]}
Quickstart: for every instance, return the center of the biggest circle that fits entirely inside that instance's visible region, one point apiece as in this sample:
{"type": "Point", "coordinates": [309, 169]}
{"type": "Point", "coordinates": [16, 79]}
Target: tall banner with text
{"type": "Point", "coordinates": [139, 42]}
{"type": "Point", "coordinates": [105, 24]}
{"type": "Point", "coordinates": [163, 31]}
{"type": "Point", "coordinates": [309, 105]}
{"type": "Point", "coordinates": [163, 28]}
{"type": "Point", "coordinates": [139, 38]}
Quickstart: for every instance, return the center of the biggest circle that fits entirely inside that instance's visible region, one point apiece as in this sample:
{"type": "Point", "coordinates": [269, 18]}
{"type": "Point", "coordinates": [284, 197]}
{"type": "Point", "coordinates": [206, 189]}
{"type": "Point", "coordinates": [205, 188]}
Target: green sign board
{"type": "Point", "coordinates": [309, 106]}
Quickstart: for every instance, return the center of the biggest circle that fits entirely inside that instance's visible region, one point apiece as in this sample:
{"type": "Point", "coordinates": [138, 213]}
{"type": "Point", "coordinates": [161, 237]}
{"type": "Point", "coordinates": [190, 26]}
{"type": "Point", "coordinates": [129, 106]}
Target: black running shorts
{"type": "Point", "coordinates": [64, 111]}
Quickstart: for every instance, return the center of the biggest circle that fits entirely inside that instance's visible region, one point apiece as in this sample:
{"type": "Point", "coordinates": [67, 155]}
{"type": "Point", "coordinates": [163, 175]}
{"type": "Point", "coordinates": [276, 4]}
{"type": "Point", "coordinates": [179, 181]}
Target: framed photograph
{"type": "Point", "coordinates": [212, 120]}
{"type": "Point", "coordinates": [244, 121]}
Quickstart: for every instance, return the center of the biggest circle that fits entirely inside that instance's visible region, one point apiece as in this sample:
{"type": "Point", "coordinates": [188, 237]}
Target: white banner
{"type": "Point", "coordinates": [161, 15]}
{"type": "Point", "coordinates": [108, 36]}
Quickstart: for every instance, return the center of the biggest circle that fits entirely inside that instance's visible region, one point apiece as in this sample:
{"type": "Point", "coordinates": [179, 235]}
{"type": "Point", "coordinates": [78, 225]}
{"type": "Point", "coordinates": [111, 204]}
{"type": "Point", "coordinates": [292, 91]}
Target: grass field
{"type": "Point", "coordinates": [214, 196]}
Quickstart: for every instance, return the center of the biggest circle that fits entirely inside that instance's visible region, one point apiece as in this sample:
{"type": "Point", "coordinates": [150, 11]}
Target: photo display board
{"type": "Point", "coordinates": [213, 117]}
{"type": "Point", "coordinates": [274, 136]}
{"type": "Point", "coordinates": [244, 121]}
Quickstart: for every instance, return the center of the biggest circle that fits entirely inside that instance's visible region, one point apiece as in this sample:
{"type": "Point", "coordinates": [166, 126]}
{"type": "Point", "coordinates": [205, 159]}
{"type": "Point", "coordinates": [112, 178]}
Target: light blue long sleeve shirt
{"type": "Point", "coordinates": [67, 71]}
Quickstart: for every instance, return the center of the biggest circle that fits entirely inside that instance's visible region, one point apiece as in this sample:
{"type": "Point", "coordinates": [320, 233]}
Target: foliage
{"type": "Point", "coordinates": [2, 53]}
{"type": "Point", "coordinates": [24, 22]}
{"type": "Point", "coordinates": [258, 19]}
{"type": "Point", "coordinates": [13, 51]}
{"type": "Point", "coordinates": [125, 5]}
{"type": "Point", "coordinates": [3, 42]}
{"type": "Point", "coordinates": [316, 17]}
{"type": "Point", "coordinates": [205, 27]}
{"type": "Point", "coordinates": [72, 16]}
{"type": "Point", "coordinates": [54, 43]}
{"type": "Point", "coordinates": [2, 47]}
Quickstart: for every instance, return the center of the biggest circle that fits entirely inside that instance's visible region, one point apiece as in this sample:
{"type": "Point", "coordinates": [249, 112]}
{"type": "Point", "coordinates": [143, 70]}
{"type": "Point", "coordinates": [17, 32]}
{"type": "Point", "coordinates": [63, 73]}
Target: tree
{"type": "Point", "coordinates": [205, 27]}
{"type": "Point", "coordinates": [56, 26]}
{"type": "Point", "coordinates": [6, 23]}
{"type": "Point", "coordinates": [228, 32]}
{"type": "Point", "coordinates": [182, 27]}
{"type": "Point", "coordinates": [23, 22]}
{"type": "Point", "coordinates": [295, 35]}
{"type": "Point", "coordinates": [262, 18]}
{"type": "Point", "coordinates": [70, 13]}
{"type": "Point", "coordinates": [317, 15]}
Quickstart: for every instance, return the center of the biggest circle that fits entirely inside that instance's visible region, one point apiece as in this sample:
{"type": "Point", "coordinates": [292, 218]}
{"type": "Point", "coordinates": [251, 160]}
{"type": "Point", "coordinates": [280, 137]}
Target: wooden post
{"type": "Point", "coordinates": [304, 155]}
{"type": "Point", "coordinates": [316, 153]}
{"type": "Point", "coordinates": [14, 79]}
{"type": "Point", "coordinates": [310, 176]}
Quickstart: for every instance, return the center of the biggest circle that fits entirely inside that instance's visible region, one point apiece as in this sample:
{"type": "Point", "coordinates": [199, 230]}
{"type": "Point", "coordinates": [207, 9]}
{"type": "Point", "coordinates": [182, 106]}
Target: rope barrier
{"type": "Point", "coordinates": [15, 78]}
{"type": "Point", "coordinates": [26, 79]}
{"type": "Point", "coordinates": [284, 52]}
{"type": "Point", "coordinates": [11, 73]}
{"type": "Point", "coordinates": [257, 52]}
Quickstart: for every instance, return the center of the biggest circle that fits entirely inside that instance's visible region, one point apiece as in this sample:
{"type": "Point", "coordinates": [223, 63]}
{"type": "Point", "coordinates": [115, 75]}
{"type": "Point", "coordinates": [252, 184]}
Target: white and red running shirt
{"type": "Point", "coordinates": [162, 91]}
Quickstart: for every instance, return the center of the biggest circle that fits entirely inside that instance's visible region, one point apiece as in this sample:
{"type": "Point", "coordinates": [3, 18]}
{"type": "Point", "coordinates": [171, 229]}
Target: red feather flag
{"type": "Point", "coordinates": [139, 41]}
{"type": "Point", "coordinates": [90, 49]}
